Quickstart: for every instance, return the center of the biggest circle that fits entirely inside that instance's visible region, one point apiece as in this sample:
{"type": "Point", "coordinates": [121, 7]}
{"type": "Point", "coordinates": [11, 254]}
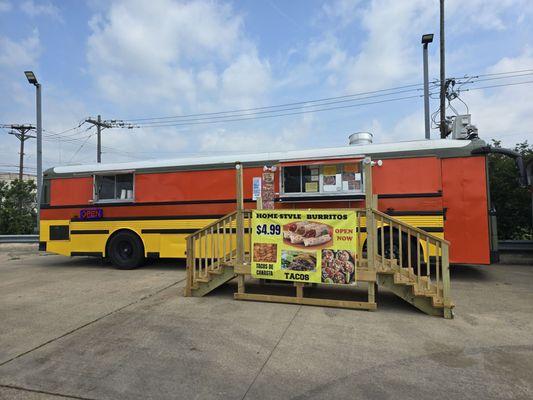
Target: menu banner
{"type": "Point", "coordinates": [304, 246]}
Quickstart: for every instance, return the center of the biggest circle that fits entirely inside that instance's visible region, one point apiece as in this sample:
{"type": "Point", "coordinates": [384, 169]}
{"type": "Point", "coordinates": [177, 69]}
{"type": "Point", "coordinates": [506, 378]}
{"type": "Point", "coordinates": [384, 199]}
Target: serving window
{"type": "Point", "coordinates": [119, 187]}
{"type": "Point", "coordinates": [306, 180]}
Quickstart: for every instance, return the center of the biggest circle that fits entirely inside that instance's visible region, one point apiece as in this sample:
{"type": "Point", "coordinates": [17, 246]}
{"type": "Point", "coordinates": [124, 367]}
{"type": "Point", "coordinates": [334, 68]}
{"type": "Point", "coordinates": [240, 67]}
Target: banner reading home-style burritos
{"type": "Point", "coordinates": [304, 246]}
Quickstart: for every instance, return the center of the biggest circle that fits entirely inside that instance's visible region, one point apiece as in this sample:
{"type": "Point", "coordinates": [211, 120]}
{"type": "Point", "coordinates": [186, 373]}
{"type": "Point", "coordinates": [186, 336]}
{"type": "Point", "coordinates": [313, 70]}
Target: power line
{"type": "Point", "coordinates": [273, 114]}
{"type": "Point", "coordinates": [81, 147]}
{"type": "Point", "coordinates": [70, 137]}
{"type": "Point", "coordinates": [472, 80]}
{"type": "Point", "coordinates": [66, 140]}
{"type": "Point", "coordinates": [506, 72]}
{"type": "Point", "coordinates": [224, 117]}
{"type": "Point", "coordinates": [311, 105]}
{"type": "Point", "coordinates": [66, 130]}
{"type": "Point", "coordinates": [495, 86]}
{"type": "Point", "coordinates": [163, 124]}
{"type": "Point", "coordinates": [269, 107]}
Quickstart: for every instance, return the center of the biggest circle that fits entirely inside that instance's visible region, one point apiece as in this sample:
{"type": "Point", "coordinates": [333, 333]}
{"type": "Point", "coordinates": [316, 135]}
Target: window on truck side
{"type": "Point", "coordinates": [114, 187]}
{"type": "Point", "coordinates": [323, 179]}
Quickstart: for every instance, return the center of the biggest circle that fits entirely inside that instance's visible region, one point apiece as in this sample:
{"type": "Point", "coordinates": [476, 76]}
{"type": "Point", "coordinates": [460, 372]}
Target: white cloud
{"type": "Point", "coordinates": [5, 6]}
{"type": "Point", "coordinates": [485, 14]}
{"type": "Point", "coordinates": [144, 53]}
{"type": "Point", "coordinates": [387, 49]}
{"type": "Point", "coordinates": [228, 140]}
{"type": "Point", "coordinates": [521, 62]}
{"type": "Point", "coordinates": [343, 12]}
{"type": "Point", "coordinates": [387, 52]}
{"type": "Point", "coordinates": [32, 9]}
{"type": "Point", "coordinates": [19, 54]}
{"type": "Point", "coordinates": [245, 80]}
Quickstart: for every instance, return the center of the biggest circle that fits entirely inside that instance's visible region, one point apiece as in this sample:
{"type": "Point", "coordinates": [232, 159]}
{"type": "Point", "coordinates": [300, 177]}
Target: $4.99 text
{"type": "Point", "coordinates": [265, 229]}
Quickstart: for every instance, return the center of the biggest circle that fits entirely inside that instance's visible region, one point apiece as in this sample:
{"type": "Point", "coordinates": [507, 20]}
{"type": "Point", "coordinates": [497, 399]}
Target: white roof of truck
{"type": "Point", "coordinates": [280, 156]}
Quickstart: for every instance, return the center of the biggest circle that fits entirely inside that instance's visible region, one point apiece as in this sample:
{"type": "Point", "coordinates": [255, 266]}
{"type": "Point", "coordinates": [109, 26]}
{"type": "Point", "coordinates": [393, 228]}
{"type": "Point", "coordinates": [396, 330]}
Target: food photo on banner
{"type": "Point", "coordinates": [304, 246]}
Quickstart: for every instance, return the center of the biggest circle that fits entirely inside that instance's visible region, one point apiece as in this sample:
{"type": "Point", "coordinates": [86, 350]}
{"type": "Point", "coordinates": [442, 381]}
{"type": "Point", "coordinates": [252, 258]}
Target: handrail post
{"type": "Point", "coordinates": [190, 266]}
{"type": "Point", "coordinates": [369, 211]}
{"type": "Point", "coordinates": [240, 226]}
{"type": "Point", "coordinates": [446, 287]}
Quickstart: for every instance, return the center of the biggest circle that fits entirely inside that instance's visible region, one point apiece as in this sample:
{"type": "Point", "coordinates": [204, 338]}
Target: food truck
{"type": "Point", "coordinates": [127, 212]}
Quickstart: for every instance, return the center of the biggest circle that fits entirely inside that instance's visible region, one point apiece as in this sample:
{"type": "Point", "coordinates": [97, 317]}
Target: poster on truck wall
{"type": "Point", "coordinates": [304, 245]}
{"type": "Point", "coordinates": [267, 188]}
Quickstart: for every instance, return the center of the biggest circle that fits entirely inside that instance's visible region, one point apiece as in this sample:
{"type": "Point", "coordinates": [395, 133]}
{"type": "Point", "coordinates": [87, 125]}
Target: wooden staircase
{"type": "Point", "coordinates": [390, 252]}
{"type": "Point", "coordinates": [212, 254]}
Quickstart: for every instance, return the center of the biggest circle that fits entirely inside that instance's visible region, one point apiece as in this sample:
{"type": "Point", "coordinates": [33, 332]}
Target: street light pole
{"type": "Point", "coordinates": [426, 39]}
{"type": "Point", "coordinates": [39, 129]}
{"type": "Point", "coordinates": [32, 79]}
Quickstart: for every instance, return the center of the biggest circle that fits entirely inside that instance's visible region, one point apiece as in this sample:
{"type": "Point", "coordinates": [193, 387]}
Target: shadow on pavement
{"type": "Point", "coordinates": [100, 263]}
{"type": "Point", "coordinates": [467, 273]}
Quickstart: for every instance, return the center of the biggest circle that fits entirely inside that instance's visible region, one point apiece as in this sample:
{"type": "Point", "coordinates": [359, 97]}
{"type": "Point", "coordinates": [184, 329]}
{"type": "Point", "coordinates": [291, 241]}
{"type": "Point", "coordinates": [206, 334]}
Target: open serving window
{"type": "Point", "coordinates": [325, 178]}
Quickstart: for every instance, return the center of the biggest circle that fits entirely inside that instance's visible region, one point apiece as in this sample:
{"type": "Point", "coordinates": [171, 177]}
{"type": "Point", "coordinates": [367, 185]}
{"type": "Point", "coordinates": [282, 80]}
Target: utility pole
{"type": "Point", "coordinates": [99, 125]}
{"type": "Point", "coordinates": [20, 131]}
{"type": "Point", "coordinates": [443, 126]}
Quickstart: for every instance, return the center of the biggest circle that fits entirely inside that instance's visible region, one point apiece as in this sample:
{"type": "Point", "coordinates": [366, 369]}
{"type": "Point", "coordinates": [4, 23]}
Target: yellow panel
{"type": "Point", "coordinates": [55, 246]}
{"type": "Point", "coordinates": [167, 245]}
{"type": "Point", "coordinates": [172, 245]}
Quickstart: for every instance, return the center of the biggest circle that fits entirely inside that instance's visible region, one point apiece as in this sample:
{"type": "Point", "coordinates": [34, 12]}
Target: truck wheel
{"type": "Point", "coordinates": [126, 250]}
{"type": "Point", "coordinates": [396, 248]}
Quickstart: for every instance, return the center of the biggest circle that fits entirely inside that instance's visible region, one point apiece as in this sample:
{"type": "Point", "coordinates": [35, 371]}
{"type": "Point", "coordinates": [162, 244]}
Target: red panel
{"type": "Point", "coordinates": [407, 175]}
{"type": "Point", "coordinates": [67, 191]}
{"type": "Point", "coordinates": [192, 185]}
{"type": "Point", "coordinates": [147, 211]}
{"type": "Point", "coordinates": [187, 186]}
{"type": "Point", "coordinates": [465, 198]}
{"type": "Point", "coordinates": [411, 204]}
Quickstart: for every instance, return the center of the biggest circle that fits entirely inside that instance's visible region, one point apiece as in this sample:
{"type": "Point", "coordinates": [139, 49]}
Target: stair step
{"type": "Point", "coordinates": [437, 303]}
{"type": "Point", "coordinates": [203, 286]}
{"type": "Point", "coordinates": [403, 281]}
{"type": "Point", "coordinates": [226, 264]}
{"type": "Point", "coordinates": [215, 271]}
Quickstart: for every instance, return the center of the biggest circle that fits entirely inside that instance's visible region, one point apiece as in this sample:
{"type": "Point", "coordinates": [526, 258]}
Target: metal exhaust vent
{"type": "Point", "coordinates": [360, 138]}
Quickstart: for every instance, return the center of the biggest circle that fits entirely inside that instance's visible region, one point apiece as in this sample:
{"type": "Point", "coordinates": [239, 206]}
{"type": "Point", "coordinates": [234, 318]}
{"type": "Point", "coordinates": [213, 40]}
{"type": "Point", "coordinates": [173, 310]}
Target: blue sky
{"type": "Point", "coordinates": [143, 59]}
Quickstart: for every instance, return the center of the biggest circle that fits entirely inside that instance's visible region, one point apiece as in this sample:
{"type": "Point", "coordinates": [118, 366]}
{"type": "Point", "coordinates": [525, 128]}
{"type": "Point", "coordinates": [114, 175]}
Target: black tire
{"type": "Point", "coordinates": [396, 248]}
{"type": "Point", "coordinates": [126, 250]}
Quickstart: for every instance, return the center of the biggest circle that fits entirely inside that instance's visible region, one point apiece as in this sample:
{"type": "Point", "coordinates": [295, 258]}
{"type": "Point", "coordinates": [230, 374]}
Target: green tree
{"type": "Point", "coordinates": [17, 207]}
{"type": "Point", "coordinates": [512, 202]}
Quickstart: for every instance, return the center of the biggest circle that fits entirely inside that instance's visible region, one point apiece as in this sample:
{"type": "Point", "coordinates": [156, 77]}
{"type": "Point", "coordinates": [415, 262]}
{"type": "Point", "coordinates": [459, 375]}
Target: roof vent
{"type": "Point", "coordinates": [360, 138]}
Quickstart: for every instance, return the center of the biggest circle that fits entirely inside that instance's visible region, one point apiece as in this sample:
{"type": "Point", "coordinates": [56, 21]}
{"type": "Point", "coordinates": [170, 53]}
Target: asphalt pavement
{"type": "Point", "coordinates": [77, 328]}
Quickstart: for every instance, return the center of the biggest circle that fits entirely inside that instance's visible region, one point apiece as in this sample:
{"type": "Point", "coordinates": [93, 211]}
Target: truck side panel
{"type": "Point", "coordinates": [465, 199]}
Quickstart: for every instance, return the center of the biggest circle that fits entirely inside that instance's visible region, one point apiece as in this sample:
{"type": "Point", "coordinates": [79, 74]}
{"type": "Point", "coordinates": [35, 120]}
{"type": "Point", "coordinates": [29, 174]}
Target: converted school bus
{"type": "Point", "coordinates": [129, 211]}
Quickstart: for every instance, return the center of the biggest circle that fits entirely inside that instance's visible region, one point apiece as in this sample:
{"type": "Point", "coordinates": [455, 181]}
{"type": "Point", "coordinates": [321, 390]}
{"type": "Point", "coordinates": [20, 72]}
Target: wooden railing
{"type": "Point", "coordinates": [385, 245]}
{"type": "Point", "coordinates": [394, 246]}
{"type": "Point", "coordinates": [223, 242]}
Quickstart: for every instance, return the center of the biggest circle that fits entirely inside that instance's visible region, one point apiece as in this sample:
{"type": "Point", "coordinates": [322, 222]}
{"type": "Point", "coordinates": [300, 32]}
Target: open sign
{"type": "Point", "coordinates": [91, 213]}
